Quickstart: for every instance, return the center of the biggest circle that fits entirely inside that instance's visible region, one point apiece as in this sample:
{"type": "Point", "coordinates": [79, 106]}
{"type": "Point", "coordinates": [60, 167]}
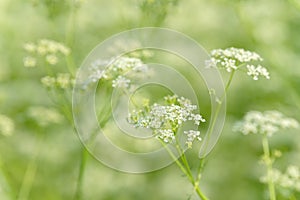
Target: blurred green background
{"type": "Point", "coordinates": [269, 27]}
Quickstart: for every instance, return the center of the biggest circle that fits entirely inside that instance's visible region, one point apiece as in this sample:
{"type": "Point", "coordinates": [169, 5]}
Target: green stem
{"type": "Point", "coordinates": [30, 173]}
{"type": "Point", "coordinates": [84, 154]}
{"type": "Point", "coordinates": [70, 38]}
{"type": "Point", "coordinates": [202, 161]}
{"type": "Point", "coordinates": [268, 162]}
{"type": "Point", "coordinates": [185, 168]}
{"type": "Point", "coordinates": [176, 160]}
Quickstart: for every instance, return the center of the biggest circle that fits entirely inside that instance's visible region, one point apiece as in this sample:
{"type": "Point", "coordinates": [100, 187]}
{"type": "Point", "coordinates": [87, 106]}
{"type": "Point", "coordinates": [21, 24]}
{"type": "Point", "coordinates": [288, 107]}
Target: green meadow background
{"type": "Point", "coordinates": [268, 27]}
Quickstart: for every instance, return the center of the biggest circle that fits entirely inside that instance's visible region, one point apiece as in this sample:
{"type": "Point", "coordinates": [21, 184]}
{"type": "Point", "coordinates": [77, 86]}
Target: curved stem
{"type": "Point", "coordinates": [268, 162]}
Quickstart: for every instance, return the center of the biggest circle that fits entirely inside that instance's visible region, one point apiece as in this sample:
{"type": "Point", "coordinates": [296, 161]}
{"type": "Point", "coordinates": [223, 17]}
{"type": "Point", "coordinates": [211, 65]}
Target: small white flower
{"type": "Point", "coordinates": [64, 80]}
{"type": "Point", "coordinates": [29, 47]}
{"type": "Point", "coordinates": [48, 81]}
{"type": "Point", "coordinates": [7, 125]}
{"type": "Point", "coordinates": [268, 122]}
{"type": "Point", "coordinates": [255, 72]}
{"type": "Point", "coordinates": [44, 116]}
{"type": "Point", "coordinates": [290, 179]}
{"type": "Point", "coordinates": [52, 59]}
{"type": "Point", "coordinates": [120, 82]}
{"type": "Point", "coordinates": [231, 58]}
{"type": "Point", "coordinates": [166, 135]}
{"type": "Point", "coordinates": [29, 61]}
{"type": "Point", "coordinates": [191, 136]}
{"type": "Point", "coordinates": [167, 118]}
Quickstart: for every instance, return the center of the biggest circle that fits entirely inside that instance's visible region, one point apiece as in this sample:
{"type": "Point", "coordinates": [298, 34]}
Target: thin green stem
{"type": "Point", "coordinates": [70, 38]}
{"type": "Point", "coordinates": [30, 172]}
{"type": "Point", "coordinates": [185, 168]}
{"type": "Point", "coordinates": [84, 155]}
{"type": "Point", "coordinates": [176, 160]}
{"type": "Point", "coordinates": [269, 163]}
{"type": "Point", "coordinates": [202, 161]}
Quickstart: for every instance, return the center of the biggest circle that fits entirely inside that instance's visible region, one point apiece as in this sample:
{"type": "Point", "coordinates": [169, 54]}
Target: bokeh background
{"type": "Point", "coordinates": [39, 161]}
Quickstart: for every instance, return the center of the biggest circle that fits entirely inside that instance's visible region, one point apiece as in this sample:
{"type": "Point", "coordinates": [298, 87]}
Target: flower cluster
{"type": "Point", "coordinates": [289, 180]}
{"type": "Point", "coordinates": [232, 58]}
{"type": "Point", "coordinates": [7, 125]}
{"type": "Point", "coordinates": [166, 119]}
{"type": "Point", "coordinates": [44, 116]}
{"type": "Point", "coordinates": [267, 122]}
{"type": "Point", "coordinates": [118, 70]}
{"type": "Point", "coordinates": [49, 50]}
{"type": "Point", "coordinates": [62, 81]}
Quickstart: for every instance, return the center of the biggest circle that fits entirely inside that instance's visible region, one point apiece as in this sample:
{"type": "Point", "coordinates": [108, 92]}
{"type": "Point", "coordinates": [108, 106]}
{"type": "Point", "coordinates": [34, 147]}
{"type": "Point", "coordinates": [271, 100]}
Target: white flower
{"type": "Point", "coordinates": [255, 72]}
{"type": "Point", "coordinates": [44, 116]}
{"type": "Point", "coordinates": [191, 136]}
{"type": "Point", "coordinates": [116, 69]}
{"type": "Point", "coordinates": [232, 58]}
{"type": "Point", "coordinates": [52, 59]}
{"type": "Point", "coordinates": [64, 80]}
{"type": "Point", "coordinates": [7, 125]}
{"type": "Point", "coordinates": [29, 61]}
{"type": "Point", "coordinates": [167, 118]}
{"type": "Point", "coordinates": [48, 81]}
{"type": "Point", "coordinates": [268, 122]}
{"type": "Point", "coordinates": [48, 49]}
{"type": "Point", "coordinates": [290, 179]}
{"type": "Point", "coordinates": [166, 135]}
{"type": "Point", "coordinates": [30, 47]}
{"type": "Point", "coordinates": [120, 82]}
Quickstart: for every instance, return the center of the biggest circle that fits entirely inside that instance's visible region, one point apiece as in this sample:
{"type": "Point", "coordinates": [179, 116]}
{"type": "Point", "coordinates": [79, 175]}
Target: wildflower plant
{"type": "Point", "coordinates": [167, 118]}
{"type": "Point", "coordinates": [267, 124]}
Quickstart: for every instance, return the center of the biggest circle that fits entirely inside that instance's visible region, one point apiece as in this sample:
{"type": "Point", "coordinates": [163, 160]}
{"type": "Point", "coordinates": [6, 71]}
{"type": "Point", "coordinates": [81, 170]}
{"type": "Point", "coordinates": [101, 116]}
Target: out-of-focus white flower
{"type": "Point", "coordinates": [167, 118]}
{"type": "Point", "coordinates": [47, 49]}
{"type": "Point", "coordinates": [62, 80]}
{"type": "Point", "coordinates": [7, 125]}
{"type": "Point", "coordinates": [29, 61]}
{"type": "Point", "coordinates": [52, 59]}
{"type": "Point", "coordinates": [290, 179]}
{"type": "Point", "coordinates": [45, 116]}
{"type": "Point", "coordinates": [48, 81]}
{"type": "Point", "coordinates": [232, 58]}
{"type": "Point", "coordinates": [121, 82]}
{"type": "Point", "coordinates": [30, 47]}
{"type": "Point", "coordinates": [267, 122]}
{"type": "Point", "coordinates": [120, 70]}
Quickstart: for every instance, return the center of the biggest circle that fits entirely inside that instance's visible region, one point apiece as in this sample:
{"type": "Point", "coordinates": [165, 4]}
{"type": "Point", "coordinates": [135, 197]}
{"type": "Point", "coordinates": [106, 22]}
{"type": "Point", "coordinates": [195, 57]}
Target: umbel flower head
{"type": "Point", "coordinates": [165, 119]}
{"type": "Point", "coordinates": [7, 125]}
{"type": "Point", "coordinates": [62, 80]}
{"type": "Point", "coordinates": [44, 116]}
{"type": "Point", "coordinates": [49, 50]}
{"type": "Point", "coordinates": [290, 179]}
{"type": "Point", "coordinates": [268, 122]}
{"type": "Point", "coordinates": [120, 71]}
{"type": "Point", "coordinates": [233, 58]}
